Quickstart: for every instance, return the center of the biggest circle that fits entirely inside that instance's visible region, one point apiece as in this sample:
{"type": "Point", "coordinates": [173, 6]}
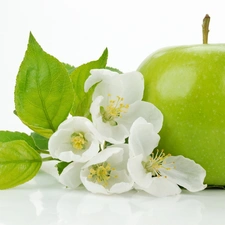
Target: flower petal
{"type": "Point", "coordinates": [60, 145]}
{"type": "Point", "coordinates": [116, 84]}
{"type": "Point", "coordinates": [119, 179]}
{"type": "Point", "coordinates": [142, 109]}
{"type": "Point", "coordinates": [104, 156]}
{"type": "Point", "coordinates": [113, 134]}
{"type": "Point", "coordinates": [138, 173]}
{"type": "Point", "coordinates": [49, 167]}
{"type": "Point", "coordinates": [184, 172]}
{"type": "Point", "coordinates": [132, 81]}
{"type": "Point", "coordinates": [124, 183]}
{"type": "Point", "coordinates": [143, 138]}
{"type": "Point", "coordinates": [162, 187]}
{"type": "Point", "coordinates": [60, 142]}
{"type": "Point", "coordinates": [93, 187]}
{"type": "Point", "coordinates": [83, 155]}
{"type": "Point", "coordinates": [70, 176]}
{"type": "Point", "coordinates": [120, 159]}
{"type": "Point", "coordinates": [98, 75]}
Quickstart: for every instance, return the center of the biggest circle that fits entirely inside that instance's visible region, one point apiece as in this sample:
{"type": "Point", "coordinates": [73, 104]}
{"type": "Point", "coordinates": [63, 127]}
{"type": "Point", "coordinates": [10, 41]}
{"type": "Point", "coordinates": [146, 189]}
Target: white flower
{"type": "Point", "coordinates": [143, 138]}
{"type": "Point", "coordinates": [70, 176]}
{"type": "Point", "coordinates": [75, 140]}
{"type": "Point", "coordinates": [117, 103]}
{"type": "Point", "coordinates": [107, 173]}
{"type": "Point", "coordinates": [157, 173]}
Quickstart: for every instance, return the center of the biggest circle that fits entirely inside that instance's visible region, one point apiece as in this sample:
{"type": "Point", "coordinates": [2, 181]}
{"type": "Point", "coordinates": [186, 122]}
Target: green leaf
{"type": "Point", "coordinates": [7, 136]}
{"type": "Point", "coordinates": [83, 100]}
{"type": "Point", "coordinates": [43, 92]}
{"type": "Point", "coordinates": [69, 68]}
{"type": "Point", "coordinates": [61, 166]}
{"type": "Point", "coordinates": [113, 69]}
{"type": "Point", "coordinates": [40, 141]}
{"type": "Point", "coordinates": [18, 163]}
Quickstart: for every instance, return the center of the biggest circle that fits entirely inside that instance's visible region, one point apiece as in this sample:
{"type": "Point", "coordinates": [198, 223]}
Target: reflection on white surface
{"type": "Point", "coordinates": [44, 201]}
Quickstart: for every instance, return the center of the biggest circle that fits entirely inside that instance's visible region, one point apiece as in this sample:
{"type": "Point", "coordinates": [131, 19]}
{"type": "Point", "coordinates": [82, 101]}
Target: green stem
{"type": "Point", "coordinates": [205, 28]}
{"type": "Point", "coordinates": [48, 159]}
{"type": "Point", "coordinates": [43, 151]}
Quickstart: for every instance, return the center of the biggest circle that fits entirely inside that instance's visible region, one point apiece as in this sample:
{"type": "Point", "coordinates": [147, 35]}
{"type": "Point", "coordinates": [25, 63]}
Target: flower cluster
{"type": "Point", "coordinates": [116, 150]}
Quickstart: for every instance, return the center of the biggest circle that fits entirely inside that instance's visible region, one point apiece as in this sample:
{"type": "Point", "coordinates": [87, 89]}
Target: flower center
{"type": "Point", "coordinates": [101, 173]}
{"type": "Point", "coordinates": [155, 162]}
{"type": "Point", "coordinates": [78, 141]}
{"type": "Point", "coordinates": [114, 110]}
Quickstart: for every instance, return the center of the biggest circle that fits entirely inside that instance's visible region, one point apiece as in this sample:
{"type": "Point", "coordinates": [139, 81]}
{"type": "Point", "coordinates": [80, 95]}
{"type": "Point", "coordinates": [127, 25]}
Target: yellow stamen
{"type": "Point", "coordinates": [114, 110]}
{"type": "Point", "coordinates": [78, 141]}
{"type": "Point", "coordinates": [155, 162]}
{"type": "Point", "coordinates": [101, 173]}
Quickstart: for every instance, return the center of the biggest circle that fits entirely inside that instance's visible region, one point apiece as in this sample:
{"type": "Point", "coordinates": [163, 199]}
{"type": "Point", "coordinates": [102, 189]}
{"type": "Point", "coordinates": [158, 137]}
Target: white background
{"type": "Point", "coordinates": [77, 31]}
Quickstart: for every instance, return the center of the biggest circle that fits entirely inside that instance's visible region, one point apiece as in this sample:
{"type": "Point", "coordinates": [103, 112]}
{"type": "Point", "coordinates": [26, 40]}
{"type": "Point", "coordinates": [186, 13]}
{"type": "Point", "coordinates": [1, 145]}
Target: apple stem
{"type": "Point", "coordinates": [205, 28]}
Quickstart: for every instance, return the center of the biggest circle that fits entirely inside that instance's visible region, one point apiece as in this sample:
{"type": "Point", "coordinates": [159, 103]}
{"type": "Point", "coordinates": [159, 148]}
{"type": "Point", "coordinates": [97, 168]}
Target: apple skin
{"type": "Point", "coordinates": [187, 83]}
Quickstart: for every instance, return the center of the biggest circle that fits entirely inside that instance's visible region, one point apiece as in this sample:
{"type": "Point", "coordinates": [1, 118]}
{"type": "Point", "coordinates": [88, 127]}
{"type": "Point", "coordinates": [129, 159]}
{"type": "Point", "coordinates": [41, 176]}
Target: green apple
{"type": "Point", "coordinates": [187, 83]}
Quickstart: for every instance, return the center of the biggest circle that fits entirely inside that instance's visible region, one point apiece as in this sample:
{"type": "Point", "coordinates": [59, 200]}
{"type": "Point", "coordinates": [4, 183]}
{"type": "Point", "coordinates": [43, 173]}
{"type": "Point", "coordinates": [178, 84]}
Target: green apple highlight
{"type": "Point", "coordinates": [187, 83]}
